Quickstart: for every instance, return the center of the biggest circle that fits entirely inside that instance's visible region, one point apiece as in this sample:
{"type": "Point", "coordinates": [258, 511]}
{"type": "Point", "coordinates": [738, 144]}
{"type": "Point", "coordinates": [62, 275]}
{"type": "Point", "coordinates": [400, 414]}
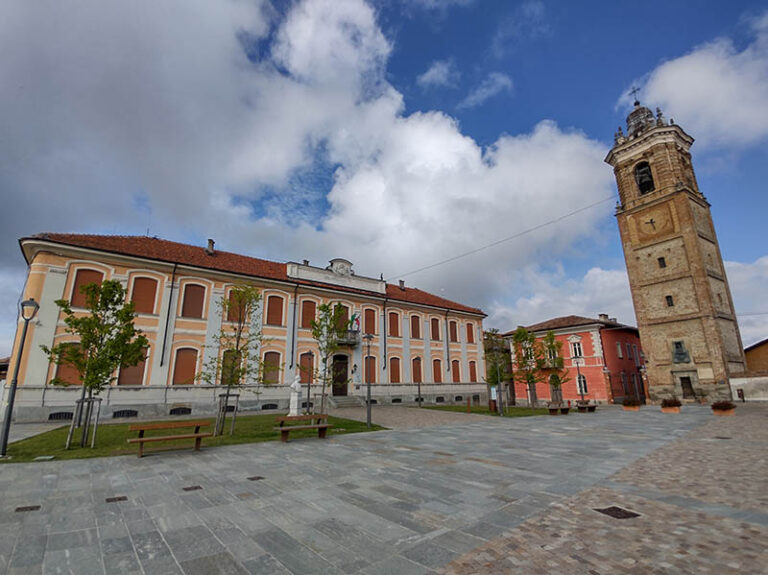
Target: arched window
{"type": "Point", "coordinates": [370, 369]}
{"type": "Point", "coordinates": [456, 371]}
{"type": "Point", "coordinates": [344, 317]}
{"type": "Point", "coordinates": [470, 333]}
{"type": "Point", "coordinates": [415, 327]}
{"type": "Point", "coordinates": [644, 178]}
{"type": "Point", "coordinates": [472, 372]}
{"type": "Point", "coordinates": [394, 370]}
{"type": "Point", "coordinates": [437, 371]}
{"type": "Point", "coordinates": [435, 323]}
{"type": "Point", "coordinates": [274, 310]}
{"type": "Point", "coordinates": [394, 324]}
{"type": "Point", "coordinates": [143, 295]}
{"type": "Point", "coordinates": [306, 367]}
{"type": "Point", "coordinates": [194, 299]}
{"type": "Point", "coordinates": [582, 383]}
{"type": "Point", "coordinates": [230, 365]}
{"type": "Point", "coordinates": [308, 308]}
{"type": "Point", "coordinates": [67, 373]}
{"type": "Point", "coordinates": [185, 368]}
{"type": "Point", "coordinates": [370, 322]}
{"type": "Point", "coordinates": [236, 309]}
{"type": "Point", "coordinates": [132, 375]}
{"type": "Point", "coordinates": [453, 331]}
{"type": "Point", "coordinates": [82, 279]}
{"type": "Point", "coordinates": [416, 369]}
{"type": "Point", "coordinates": [272, 367]}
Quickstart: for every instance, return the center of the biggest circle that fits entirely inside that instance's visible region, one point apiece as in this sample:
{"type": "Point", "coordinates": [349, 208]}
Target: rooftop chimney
{"type": "Point", "coordinates": [402, 285]}
{"type": "Point", "coordinates": [209, 249]}
{"type": "Point", "coordinates": [603, 317]}
{"type": "Point", "coordinates": [306, 262]}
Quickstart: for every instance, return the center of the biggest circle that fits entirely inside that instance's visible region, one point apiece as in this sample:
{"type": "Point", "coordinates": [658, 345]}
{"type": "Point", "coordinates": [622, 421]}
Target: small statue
{"type": "Point", "coordinates": [293, 406]}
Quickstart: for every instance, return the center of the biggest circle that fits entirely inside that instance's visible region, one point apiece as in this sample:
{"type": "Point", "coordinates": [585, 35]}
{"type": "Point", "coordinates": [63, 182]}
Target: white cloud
{"type": "Point", "coordinates": [528, 21]}
{"type": "Point", "coordinates": [717, 92]}
{"type": "Point", "coordinates": [493, 85]}
{"type": "Point", "coordinates": [441, 73]}
{"type": "Point", "coordinates": [748, 281]}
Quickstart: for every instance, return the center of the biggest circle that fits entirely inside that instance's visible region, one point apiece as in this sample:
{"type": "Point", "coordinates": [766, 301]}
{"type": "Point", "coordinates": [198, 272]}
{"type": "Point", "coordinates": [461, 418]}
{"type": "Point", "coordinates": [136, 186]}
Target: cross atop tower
{"type": "Point", "coordinates": [634, 92]}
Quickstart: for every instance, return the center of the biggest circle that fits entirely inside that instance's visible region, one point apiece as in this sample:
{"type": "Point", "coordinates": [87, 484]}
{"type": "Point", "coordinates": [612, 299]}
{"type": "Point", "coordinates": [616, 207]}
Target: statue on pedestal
{"type": "Point", "coordinates": [295, 404]}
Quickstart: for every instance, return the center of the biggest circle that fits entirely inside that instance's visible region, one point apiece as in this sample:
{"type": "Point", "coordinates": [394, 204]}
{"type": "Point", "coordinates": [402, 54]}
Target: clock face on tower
{"type": "Point", "coordinates": [654, 223]}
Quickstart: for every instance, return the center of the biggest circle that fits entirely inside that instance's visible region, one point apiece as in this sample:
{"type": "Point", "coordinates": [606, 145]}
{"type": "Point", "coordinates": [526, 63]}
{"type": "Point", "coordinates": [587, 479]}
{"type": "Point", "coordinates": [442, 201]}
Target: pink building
{"type": "Point", "coordinates": [604, 360]}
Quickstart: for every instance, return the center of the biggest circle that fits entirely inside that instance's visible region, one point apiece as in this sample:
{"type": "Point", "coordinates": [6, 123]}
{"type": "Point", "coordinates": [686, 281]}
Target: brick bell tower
{"type": "Point", "coordinates": [679, 288]}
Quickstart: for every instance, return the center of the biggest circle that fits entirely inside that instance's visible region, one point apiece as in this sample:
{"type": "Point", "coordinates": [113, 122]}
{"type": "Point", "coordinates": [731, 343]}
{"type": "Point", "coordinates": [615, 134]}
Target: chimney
{"type": "Point", "coordinates": [402, 285]}
{"type": "Point", "coordinates": [306, 262]}
{"type": "Point", "coordinates": [603, 317]}
{"type": "Point", "coordinates": [209, 249]}
{"type": "Point", "coordinates": [613, 319]}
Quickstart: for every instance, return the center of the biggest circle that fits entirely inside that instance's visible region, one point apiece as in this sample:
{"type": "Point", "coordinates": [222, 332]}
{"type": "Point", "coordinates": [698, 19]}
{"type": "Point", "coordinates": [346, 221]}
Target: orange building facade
{"type": "Point", "coordinates": [419, 341]}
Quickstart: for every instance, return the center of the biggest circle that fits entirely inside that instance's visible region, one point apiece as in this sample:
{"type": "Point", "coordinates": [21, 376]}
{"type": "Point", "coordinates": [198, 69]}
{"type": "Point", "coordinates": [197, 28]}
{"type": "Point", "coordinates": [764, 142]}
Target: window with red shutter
{"type": "Point", "coordinates": [194, 300]}
{"type": "Point", "coordinates": [132, 375]}
{"type": "Point", "coordinates": [472, 372]}
{"type": "Point", "coordinates": [143, 296]}
{"type": "Point", "coordinates": [68, 373]}
{"type": "Point", "coordinates": [185, 368]}
{"type": "Point", "coordinates": [416, 370]}
{"type": "Point", "coordinates": [82, 279]}
{"type": "Point", "coordinates": [370, 322]}
{"type": "Point", "coordinates": [394, 370]}
{"type": "Point", "coordinates": [306, 367]}
{"type": "Point", "coordinates": [456, 371]}
{"type": "Point", "coordinates": [274, 310]}
{"type": "Point", "coordinates": [470, 333]}
{"type": "Point", "coordinates": [370, 369]}
{"type": "Point", "coordinates": [308, 308]}
{"type": "Point", "coordinates": [437, 371]}
{"type": "Point", "coordinates": [415, 327]}
{"type": "Point", "coordinates": [271, 367]}
{"type": "Point", "coordinates": [453, 331]}
{"type": "Point", "coordinates": [394, 324]}
{"type": "Point", "coordinates": [235, 309]}
{"type": "Point", "coordinates": [435, 329]}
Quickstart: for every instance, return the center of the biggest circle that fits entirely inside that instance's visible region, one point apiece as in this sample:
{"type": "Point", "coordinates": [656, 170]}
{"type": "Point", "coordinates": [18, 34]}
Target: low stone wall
{"type": "Point", "coordinates": [754, 388]}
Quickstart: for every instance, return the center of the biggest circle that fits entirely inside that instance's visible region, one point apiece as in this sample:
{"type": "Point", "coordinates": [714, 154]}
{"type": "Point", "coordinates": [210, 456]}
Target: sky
{"type": "Point", "coordinates": [398, 134]}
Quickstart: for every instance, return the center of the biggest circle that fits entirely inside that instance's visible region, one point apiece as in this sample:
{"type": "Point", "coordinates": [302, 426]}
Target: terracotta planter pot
{"type": "Point", "coordinates": [670, 409]}
{"type": "Point", "coordinates": [724, 412]}
{"type": "Point", "coordinates": [591, 408]}
{"type": "Point", "coordinates": [581, 408]}
{"type": "Point", "coordinates": [631, 407]}
{"type": "Point", "coordinates": [553, 411]}
{"type": "Point", "coordinates": [564, 410]}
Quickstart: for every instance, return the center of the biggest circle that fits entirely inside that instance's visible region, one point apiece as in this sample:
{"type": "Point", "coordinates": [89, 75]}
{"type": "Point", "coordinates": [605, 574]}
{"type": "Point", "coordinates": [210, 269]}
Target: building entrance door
{"type": "Point", "coordinates": [685, 383]}
{"type": "Point", "coordinates": [340, 370]}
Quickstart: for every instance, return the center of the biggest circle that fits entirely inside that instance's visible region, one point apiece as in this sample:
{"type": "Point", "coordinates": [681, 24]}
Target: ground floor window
{"type": "Point", "coordinates": [582, 384]}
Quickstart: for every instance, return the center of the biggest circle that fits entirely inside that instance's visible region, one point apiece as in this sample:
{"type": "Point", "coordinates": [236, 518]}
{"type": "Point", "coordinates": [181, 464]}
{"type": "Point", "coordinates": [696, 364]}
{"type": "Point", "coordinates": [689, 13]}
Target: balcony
{"type": "Point", "coordinates": [350, 337]}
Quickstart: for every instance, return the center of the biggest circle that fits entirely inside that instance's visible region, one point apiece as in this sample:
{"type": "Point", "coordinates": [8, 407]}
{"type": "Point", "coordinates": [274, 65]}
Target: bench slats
{"type": "Point", "coordinates": [169, 437]}
{"type": "Point", "coordinates": [291, 427]}
{"type": "Point", "coordinates": [171, 425]}
{"type": "Point", "coordinates": [283, 418]}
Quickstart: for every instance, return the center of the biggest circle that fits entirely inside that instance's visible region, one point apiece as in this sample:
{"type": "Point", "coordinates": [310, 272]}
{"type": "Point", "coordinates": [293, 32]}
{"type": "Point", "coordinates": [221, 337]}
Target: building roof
{"type": "Point", "coordinates": [756, 344]}
{"type": "Point", "coordinates": [572, 321]}
{"type": "Point", "coordinates": [173, 252]}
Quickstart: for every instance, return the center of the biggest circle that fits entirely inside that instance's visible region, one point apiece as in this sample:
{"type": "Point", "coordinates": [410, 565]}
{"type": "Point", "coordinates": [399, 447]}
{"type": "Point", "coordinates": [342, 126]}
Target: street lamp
{"type": "Point", "coordinates": [368, 337]}
{"type": "Point", "coordinates": [28, 310]}
{"type": "Point", "coordinates": [309, 379]}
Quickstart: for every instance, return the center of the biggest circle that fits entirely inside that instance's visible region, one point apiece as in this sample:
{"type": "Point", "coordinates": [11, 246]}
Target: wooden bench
{"type": "Point", "coordinates": [142, 427]}
{"type": "Point", "coordinates": [321, 424]}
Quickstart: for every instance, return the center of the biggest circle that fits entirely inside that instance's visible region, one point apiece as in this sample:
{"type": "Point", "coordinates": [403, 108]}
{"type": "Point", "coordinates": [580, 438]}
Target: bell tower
{"type": "Point", "coordinates": [679, 288]}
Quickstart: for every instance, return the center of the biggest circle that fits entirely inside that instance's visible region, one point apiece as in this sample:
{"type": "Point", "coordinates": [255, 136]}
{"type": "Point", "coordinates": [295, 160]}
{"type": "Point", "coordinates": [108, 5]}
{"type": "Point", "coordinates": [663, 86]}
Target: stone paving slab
{"type": "Point", "coordinates": [455, 498]}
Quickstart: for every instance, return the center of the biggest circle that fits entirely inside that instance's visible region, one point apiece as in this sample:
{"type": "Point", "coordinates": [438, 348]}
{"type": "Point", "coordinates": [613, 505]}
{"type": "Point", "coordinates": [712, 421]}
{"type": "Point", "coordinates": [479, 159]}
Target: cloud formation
{"type": "Point", "coordinates": [493, 85]}
{"type": "Point", "coordinates": [440, 74]}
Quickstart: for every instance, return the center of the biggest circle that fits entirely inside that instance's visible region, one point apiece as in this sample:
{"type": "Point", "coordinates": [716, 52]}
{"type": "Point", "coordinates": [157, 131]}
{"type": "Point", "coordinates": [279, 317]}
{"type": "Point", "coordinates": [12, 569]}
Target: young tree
{"type": "Point", "coordinates": [529, 360]}
{"type": "Point", "coordinates": [236, 348]}
{"type": "Point", "coordinates": [555, 371]}
{"type": "Point", "coordinates": [106, 340]}
{"type": "Point", "coordinates": [498, 368]}
{"type": "Point", "coordinates": [328, 329]}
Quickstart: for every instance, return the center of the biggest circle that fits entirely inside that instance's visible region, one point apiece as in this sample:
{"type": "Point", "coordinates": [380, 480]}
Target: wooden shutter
{"type": "Point", "coordinates": [415, 327]}
{"type": "Point", "coordinates": [194, 298]}
{"type": "Point", "coordinates": [306, 367]}
{"type": "Point", "coordinates": [470, 333]}
{"type": "Point", "coordinates": [82, 279]}
{"type": "Point", "coordinates": [456, 371]}
{"type": "Point", "coordinates": [272, 366]}
{"type": "Point", "coordinates": [453, 331]}
{"type": "Point", "coordinates": [68, 373]}
{"type": "Point", "coordinates": [472, 372]}
{"type": "Point", "coordinates": [230, 365]}
{"type": "Point", "coordinates": [416, 370]}
{"type": "Point", "coordinates": [235, 309]}
{"type": "Point", "coordinates": [307, 313]}
{"type": "Point", "coordinates": [394, 370]}
{"type": "Point", "coordinates": [186, 367]}
{"type": "Point", "coordinates": [370, 369]}
{"type": "Point", "coordinates": [435, 329]}
{"type": "Point", "coordinates": [133, 375]}
{"type": "Point", "coordinates": [394, 324]}
{"type": "Point", "coordinates": [437, 372]}
{"type": "Point", "coordinates": [143, 296]}
{"type": "Point", "coordinates": [344, 317]}
{"type": "Point", "coordinates": [370, 322]}
{"type": "Point", "coordinates": [274, 310]}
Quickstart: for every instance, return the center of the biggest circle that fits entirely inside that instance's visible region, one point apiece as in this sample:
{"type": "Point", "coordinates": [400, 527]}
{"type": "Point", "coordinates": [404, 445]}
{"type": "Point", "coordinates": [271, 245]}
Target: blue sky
{"type": "Point", "coordinates": [394, 133]}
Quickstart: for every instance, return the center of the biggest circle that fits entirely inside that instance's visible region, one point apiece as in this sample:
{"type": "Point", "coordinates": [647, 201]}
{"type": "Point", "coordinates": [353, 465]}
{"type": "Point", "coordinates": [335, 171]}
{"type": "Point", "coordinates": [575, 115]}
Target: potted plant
{"type": "Point", "coordinates": [554, 407]}
{"type": "Point", "coordinates": [670, 405]}
{"type": "Point", "coordinates": [631, 404]}
{"type": "Point", "coordinates": [723, 408]}
{"type": "Point", "coordinates": [582, 405]}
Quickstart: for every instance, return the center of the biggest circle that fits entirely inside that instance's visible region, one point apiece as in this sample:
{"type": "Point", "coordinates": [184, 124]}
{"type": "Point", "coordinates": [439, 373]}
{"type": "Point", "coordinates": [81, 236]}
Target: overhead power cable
{"type": "Point", "coordinates": [506, 239]}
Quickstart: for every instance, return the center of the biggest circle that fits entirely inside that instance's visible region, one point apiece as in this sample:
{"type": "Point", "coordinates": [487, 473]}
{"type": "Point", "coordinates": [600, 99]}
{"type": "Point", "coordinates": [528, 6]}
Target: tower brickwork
{"type": "Point", "coordinates": [680, 291]}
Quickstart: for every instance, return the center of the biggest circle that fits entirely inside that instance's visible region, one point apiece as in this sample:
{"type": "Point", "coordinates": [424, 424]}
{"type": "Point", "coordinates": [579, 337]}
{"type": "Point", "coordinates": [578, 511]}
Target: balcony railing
{"type": "Point", "coordinates": [350, 337]}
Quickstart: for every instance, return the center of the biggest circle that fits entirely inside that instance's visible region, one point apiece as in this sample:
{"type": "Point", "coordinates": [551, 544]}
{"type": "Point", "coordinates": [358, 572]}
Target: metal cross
{"type": "Point", "coordinates": [634, 92]}
{"type": "Point", "coordinates": [652, 222]}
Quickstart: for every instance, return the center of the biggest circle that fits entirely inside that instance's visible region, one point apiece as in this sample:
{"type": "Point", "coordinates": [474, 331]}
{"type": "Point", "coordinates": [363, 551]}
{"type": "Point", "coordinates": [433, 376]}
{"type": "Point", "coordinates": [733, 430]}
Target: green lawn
{"type": "Point", "coordinates": [112, 438]}
{"type": "Point", "coordinates": [483, 410]}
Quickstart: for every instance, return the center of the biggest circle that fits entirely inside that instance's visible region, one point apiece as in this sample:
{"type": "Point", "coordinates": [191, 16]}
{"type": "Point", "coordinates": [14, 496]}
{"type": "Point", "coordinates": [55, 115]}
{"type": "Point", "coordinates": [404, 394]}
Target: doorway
{"type": "Point", "coordinates": [340, 370]}
{"type": "Point", "coordinates": [685, 383]}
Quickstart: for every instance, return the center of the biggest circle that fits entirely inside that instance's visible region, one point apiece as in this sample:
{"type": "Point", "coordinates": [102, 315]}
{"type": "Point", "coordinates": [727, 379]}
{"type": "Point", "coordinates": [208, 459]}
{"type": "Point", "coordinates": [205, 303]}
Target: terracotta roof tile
{"type": "Point", "coordinates": [174, 252]}
{"type": "Point", "coordinates": [570, 321]}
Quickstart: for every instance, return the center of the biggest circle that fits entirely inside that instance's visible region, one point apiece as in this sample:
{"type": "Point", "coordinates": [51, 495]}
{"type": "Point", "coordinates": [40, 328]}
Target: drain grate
{"type": "Point", "coordinates": [191, 488]}
{"type": "Point", "coordinates": [116, 499]}
{"type": "Point", "coordinates": [26, 508]}
{"type": "Point", "coordinates": [255, 478]}
{"type": "Point", "coordinates": [618, 512]}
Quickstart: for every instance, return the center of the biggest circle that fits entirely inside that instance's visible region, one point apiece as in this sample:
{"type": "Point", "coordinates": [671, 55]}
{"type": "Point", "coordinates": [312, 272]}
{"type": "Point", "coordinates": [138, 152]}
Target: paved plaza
{"type": "Point", "coordinates": [480, 495]}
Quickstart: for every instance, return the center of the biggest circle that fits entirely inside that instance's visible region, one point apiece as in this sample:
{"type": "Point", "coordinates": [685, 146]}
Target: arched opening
{"type": "Point", "coordinates": [644, 178]}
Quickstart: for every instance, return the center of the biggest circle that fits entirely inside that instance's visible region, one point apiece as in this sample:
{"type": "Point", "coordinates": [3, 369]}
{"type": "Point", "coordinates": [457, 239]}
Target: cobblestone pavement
{"type": "Point", "coordinates": [491, 495]}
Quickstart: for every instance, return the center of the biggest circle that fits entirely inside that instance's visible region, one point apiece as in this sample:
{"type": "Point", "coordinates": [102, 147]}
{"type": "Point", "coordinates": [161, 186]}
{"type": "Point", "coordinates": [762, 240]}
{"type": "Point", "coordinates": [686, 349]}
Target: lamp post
{"type": "Point", "coordinates": [309, 379]}
{"type": "Point", "coordinates": [368, 337]}
{"type": "Point", "coordinates": [28, 310]}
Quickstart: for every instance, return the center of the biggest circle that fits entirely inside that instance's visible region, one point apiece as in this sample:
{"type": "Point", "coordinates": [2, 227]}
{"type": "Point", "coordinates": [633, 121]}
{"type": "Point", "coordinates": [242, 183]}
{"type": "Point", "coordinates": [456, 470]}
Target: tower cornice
{"type": "Point", "coordinates": [671, 133]}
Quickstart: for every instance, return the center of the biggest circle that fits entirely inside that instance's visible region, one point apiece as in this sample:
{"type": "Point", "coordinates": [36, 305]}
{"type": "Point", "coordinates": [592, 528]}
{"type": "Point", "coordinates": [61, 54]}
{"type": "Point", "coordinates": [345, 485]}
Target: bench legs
{"type": "Point", "coordinates": [284, 435]}
{"type": "Point", "coordinates": [321, 432]}
{"type": "Point", "coordinates": [198, 441]}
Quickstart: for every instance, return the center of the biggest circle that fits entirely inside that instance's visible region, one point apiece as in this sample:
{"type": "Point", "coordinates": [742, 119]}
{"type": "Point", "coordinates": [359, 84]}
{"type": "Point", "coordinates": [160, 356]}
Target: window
{"type": "Point", "coordinates": [576, 349]}
{"type": "Point", "coordinates": [470, 333]}
{"type": "Point", "coordinates": [624, 382]}
{"type": "Point", "coordinates": [230, 364]}
{"type": "Point", "coordinates": [194, 298]}
{"type": "Point", "coordinates": [618, 350]}
{"type": "Point", "coordinates": [394, 370]}
{"type": "Point", "coordinates": [370, 322]}
{"type": "Point", "coordinates": [185, 368]}
{"type": "Point", "coordinates": [394, 324]}
{"type": "Point", "coordinates": [344, 317]}
{"type": "Point", "coordinates": [582, 384]}
{"type": "Point", "coordinates": [274, 310]}
{"type": "Point", "coordinates": [456, 371]}
{"type": "Point", "coordinates": [307, 313]}
{"type": "Point", "coordinates": [435, 323]}
{"type": "Point", "coordinates": [662, 262]}
{"type": "Point", "coordinates": [132, 375]}
{"type": "Point", "coordinates": [235, 309]}
{"type": "Point", "coordinates": [306, 367]}
{"type": "Point", "coordinates": [635, 355]}
{"type": "Point", "coordinates": [416, 369]}
{"type": "Point", "coordinates": [437, 371]}
{"type": "Point", "coordinates": [67, 373]}
{"type": "Point", "coordinates": [415, 327]}
{"type": "Point", "coordinates": [143, 296]}
{"type": "Point", "coordinates": [551, 353]}
{"type": "Point", "coordinates": [644, 178]}
{"type": "Point", "coordinates": [629, 351]}
{"type": "Point", "coordinates": [670, 301]}
{"type": "Point", "coordinates": [453, 331]}
{"type": "Point", "coordinates": [370, 369]}
{"type": "Point", "coordinates": [472, 372]}
{"type": "Point", "coordinates": [272, 366]}
{"type": "Point", "coordinates": [82, 279]}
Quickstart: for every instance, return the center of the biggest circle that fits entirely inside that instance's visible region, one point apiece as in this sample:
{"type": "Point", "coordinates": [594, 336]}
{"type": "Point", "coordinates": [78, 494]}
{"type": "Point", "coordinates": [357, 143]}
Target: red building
{"type": "Point", "coordinates": [603, 358]}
